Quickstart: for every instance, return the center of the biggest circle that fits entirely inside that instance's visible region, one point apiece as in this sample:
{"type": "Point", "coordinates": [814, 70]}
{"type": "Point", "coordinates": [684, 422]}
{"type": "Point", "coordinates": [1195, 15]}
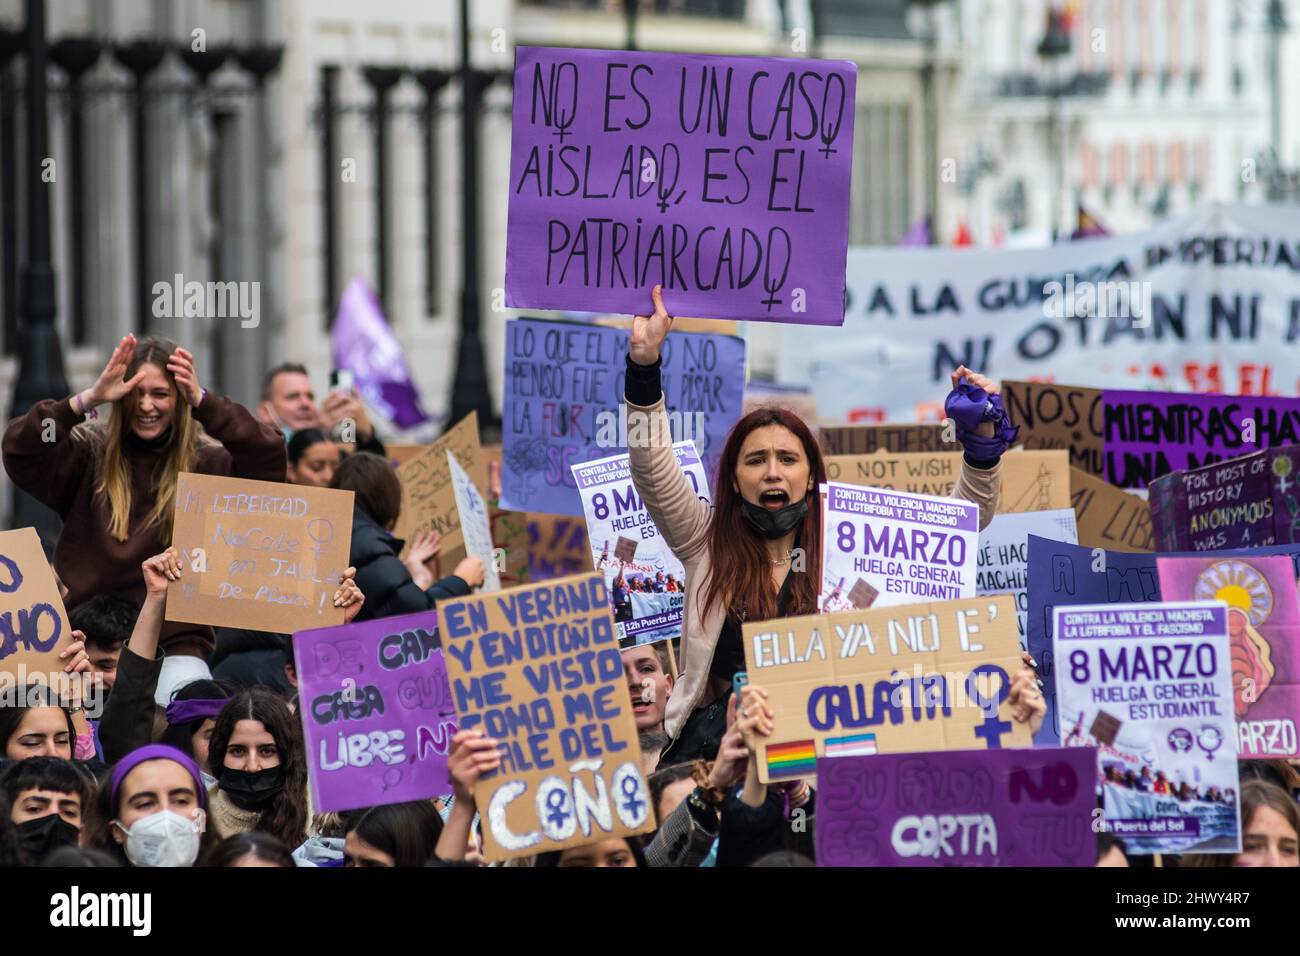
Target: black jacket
{"type": "Point", "coordinates": [384, 580]}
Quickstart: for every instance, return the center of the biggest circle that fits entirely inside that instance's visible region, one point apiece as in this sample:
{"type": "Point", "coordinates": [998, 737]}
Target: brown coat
{"type": "Point", "coordinates": [683, 520]}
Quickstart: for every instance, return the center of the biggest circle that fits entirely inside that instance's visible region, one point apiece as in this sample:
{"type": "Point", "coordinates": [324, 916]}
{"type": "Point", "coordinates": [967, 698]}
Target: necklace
{"type": "Point", "coordinates": [785, 560]}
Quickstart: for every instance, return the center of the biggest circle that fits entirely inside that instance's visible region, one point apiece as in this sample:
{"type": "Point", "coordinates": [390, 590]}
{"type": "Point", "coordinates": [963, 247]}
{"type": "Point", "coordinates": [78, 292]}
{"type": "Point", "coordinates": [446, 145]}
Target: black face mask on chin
{"type": "Point", "coordinates": [252, 790]}
{"type": "Point", "coordinates": [42, 836]}
{"type": "Point", "coordinates": [774, 525]}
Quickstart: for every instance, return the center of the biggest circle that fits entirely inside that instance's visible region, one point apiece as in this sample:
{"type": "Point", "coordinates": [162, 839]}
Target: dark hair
{"type": "Point", "coordinates": [302, 440]}
{"type": "Point", "coordinates": [1255, 795]}
{"type": "Point", "coordinates": [1106, 842]}
{"type": "Point", "coordinates": [106, 619]}
{"type": "Point", "coordinates": [552, 858]}
{"type": "Point", "coordinates": [181, 736]}
{"type": "Point", "coordinates": [267, 383]}
{"type": "Point", "coordinates": [1277, 772]}
{"type": "Point", "coordinates": [10, 847]}
{"type": "Point", "coordinates": [783, 858]}
{"type": "Point", "coordinates": [80, 856]}
{"type": "Point", "coordinates": [286, 816]}
{"type": "Point", "coordinates": [254, 843]}
{"type": "Point", "coordinates": [373, 481]}
{"type": "Point", "coordinates": [662, 779]}
{"type": "Point", "coordinates": [47, 773]}
{"type": "Point", "coordinates": [408, 832]}
{"type": "Point", "coordinates": [97, 833]}
{"type": "Point", "coordinates": [746, 583]}
{"type": "Point", "coordinates": [34, 695]}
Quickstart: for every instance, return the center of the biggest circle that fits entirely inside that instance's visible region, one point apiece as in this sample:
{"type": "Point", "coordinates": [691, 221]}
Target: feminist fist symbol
{"type": "Point", "coordinates": [557, 814]}
{"type": "Point", "coordinates": [632, 802]}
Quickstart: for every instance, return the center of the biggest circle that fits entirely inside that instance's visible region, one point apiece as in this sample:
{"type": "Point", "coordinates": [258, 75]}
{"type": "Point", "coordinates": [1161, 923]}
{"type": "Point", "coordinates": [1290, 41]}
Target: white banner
{"type": "Point", "coordinates": [474, 523]}
{"type": "Point", "coordinates": [1209, 302]}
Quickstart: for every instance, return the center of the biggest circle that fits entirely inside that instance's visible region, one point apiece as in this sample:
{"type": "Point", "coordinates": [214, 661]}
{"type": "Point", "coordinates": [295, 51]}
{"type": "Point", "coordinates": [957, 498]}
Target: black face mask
{"type": "Point", "coordinates": [774, 524]}
{"type": "Point", "coordinates": [42, 836]}
{"type": "Point", "coordinates": [251, 790]}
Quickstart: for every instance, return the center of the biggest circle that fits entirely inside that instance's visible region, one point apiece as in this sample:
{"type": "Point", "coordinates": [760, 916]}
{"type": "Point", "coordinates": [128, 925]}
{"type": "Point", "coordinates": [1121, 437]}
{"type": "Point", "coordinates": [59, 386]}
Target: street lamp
{"type": "Point", "coordinates": [40, 355]}
{"type": "Point", "coordinates": [1052, 48]}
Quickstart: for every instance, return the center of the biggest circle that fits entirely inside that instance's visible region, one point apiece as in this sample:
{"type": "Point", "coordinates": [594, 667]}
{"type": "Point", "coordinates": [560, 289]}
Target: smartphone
{"type": "Point", "coordinates": [341, 380]}
{"type": "Point", "coordinates": [738, 682]}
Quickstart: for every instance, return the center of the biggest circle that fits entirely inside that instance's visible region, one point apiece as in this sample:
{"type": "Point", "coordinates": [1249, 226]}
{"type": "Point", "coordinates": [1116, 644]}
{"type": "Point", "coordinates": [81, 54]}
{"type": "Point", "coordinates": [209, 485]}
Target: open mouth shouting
{"type": "Point", "coordinates": [774, 499]}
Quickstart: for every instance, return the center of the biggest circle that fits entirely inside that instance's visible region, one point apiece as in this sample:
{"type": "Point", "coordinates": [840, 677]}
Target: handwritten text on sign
{"type": "Point", "coordinates": [994, 808]}
{"type": "Point", "coordinates": [376, 711]}
{"type": "Point", "coordinates": [723, 179]}
{"type": "Point", "coordinates": [899, 679]}
{"type": "Point", "coordinates": [32, 620]}
{"type": "Point", "coordinates": [259, 554]}
{"type": "Point", "coordinates": [538, 669]}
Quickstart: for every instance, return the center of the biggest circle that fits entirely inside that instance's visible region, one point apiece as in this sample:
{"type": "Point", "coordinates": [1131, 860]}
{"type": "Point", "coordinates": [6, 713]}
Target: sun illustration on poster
{"type": "Point", "coordinates": [1250, 602]}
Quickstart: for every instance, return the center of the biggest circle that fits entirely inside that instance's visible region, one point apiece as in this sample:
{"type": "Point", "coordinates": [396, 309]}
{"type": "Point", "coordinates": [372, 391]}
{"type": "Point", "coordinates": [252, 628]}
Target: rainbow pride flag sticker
{"type": "Point", "coordinates": [795, 759]}
{"type": "Point", "coordinates": [853, 745]}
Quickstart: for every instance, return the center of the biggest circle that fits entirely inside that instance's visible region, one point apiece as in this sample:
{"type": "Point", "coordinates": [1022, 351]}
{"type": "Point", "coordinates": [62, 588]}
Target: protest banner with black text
{"type": "Point", "coordinates": [33, 622]}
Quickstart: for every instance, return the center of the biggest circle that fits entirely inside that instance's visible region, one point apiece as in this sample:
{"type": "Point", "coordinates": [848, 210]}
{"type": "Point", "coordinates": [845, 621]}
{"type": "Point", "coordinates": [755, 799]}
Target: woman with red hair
{"type": "Point", "coordinates": [765, 521]}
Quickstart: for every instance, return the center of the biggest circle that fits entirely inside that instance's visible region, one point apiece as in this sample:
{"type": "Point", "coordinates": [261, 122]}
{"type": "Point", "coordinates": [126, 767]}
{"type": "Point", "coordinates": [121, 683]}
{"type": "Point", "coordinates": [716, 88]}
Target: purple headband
{"type": "Point", "coordinates": [183, 711]}
{"type": "Point", "coordinates": [156, 752]}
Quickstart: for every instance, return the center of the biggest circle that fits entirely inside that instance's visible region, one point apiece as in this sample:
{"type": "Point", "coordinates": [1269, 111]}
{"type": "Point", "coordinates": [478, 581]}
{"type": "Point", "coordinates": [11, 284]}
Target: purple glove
{"type": "Point", "coordinates": [970, 406]}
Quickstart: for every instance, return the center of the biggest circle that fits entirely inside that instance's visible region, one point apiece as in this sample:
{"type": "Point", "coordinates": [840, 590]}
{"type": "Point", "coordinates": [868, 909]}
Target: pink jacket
{"type": "Point", "coordinates": [683, 519]}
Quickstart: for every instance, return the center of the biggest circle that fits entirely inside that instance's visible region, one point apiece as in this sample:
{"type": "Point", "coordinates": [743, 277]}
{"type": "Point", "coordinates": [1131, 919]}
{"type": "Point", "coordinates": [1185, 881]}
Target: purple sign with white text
{"type": "Point", "coordinates": [723, 179]}
{"type": "Point", "coordinates": [376, 711]}
{"type": "Point", "coordinates": [958, 808]}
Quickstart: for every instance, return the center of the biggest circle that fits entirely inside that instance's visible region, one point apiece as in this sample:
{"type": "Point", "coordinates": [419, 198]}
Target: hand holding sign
{"type": "Point", "coordinates": [649, 331]}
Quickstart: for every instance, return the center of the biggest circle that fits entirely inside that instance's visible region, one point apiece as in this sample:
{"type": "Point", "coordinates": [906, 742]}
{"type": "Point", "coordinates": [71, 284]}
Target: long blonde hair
{"type": "Point", "coordinates": [181, 454]}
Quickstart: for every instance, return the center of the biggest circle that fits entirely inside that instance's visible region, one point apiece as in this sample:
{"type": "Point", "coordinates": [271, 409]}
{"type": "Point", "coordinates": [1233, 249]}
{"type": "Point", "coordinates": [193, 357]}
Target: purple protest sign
{"type": "Point", "coordinates": [958, 808]}
{"type": "Point", "coordinates": [362, 342]}
{"type": "Point", "coordinates": [723, 179]}
{"type": "Point", "coordinates": [564, 406]}
{"type": "Point", "coordinates": [1149, 434]}
{"type": "Point", "coordinates": [376, 711]}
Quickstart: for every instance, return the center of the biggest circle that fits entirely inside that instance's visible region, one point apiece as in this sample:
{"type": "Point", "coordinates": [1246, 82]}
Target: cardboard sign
{"type": "Point", "coordinates": [538, 668]}
{"type": "Point", "coordinates": [646, 581]}
{"type": "Point", "coordinates": [908, 548]}
{"type": "Point", "coordinates": [564, 404]}
{"type": "Point", "coordinates": [1149, 434]}
{"type": "Point", "coordinates": [1108, 517]}
{"type": "Point", "coordinates": [1058, 416]}
{"type": "Point", "coordinates": [1264, 636]}
{"type": "Point", "coordinates": [33, 623]}
{"type": "Point", "coordinates": [557, 547]}
{"type": "Point", "coordinates": [893, 680]}
{"type": "Point", "coordinates": [1062, 575]}
{"type": "Point", "coordinates": [724, 179]}
{"type": "Point", "coordinates": [1160, 674]}
{"type": "Point", "coordinates": [474, 527]}
{"type": "Point", "coordinates": [260, 555]}
{"type": "Point", "coordinates": [399, 455]}
{"type": "Point", "coordinates": [376, 711]}
{"type": "Point", "coordinates": [869, 439]}
{"type": "Point", "coordinates": [428, 499]}
{"type": "Point", "coordinates": [1002, 562]}
{"type": "Point", "coordinates": [1240, 503]}
{"type": "Point", "coordinates": [994, 808]}
{"type": "Point", "coordinates": [509, 528]}
{"type": "Point", "coordinates": [1031, 480]}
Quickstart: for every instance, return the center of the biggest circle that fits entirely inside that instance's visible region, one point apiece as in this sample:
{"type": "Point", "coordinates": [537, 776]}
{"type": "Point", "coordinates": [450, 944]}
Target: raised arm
{"type": "Point", "coordinates": [679, 514]}
{"type": "Point", "coordinates": [975, 406]}
{"type": "Point", "coordinates": [257, 450]}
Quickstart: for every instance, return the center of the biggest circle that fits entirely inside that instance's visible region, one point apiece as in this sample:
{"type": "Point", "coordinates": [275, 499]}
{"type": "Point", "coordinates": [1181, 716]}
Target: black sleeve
{"type": "Point", "coordinates": [642, 386]}
{"type": "Point", "coordinates": [449, 587]}
{"type": "Point", "coordinates": [983, 464]}
{"type": "Point", "coordinates": [373, 444]}
{"type": "Point", "coordinates": [128, 714]}
{"type": "Point", "coordinates": [747, 833]}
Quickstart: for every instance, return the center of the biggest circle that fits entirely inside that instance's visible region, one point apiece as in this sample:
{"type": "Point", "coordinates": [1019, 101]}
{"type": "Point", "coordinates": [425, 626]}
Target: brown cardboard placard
{"type": "Point", "coordinates": [557, 545]}
{"type": "Point", "coordinates": [538, 668]}
{"type": "Point", "coordinates": [1109, 517]}
{"type": "Point", "coordinates": [625, 550]}
{"type": "Point", "coordinates": [869, 439]}
{"type": "Point", "coordinates": [1058, 416]}
{"type": "Point", "coordinates": [399, 455]}
{"type": "Point", "coordinates": [428, 502]}
{"type": "Point", "coordinates": [1105, 728]}
{"type": "Point", "coordinates": [261, 555]}
{"type": "Point", "coordinates": [862, 595]}
{"type": "Point", "coordinates": [33, 622]}
{"type": "Point", "coordinates": [509, 528]}
{"type": "Point", "coordinates": [858, 681]}
{"type": "Point", "coordinates": [1031, 480]}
